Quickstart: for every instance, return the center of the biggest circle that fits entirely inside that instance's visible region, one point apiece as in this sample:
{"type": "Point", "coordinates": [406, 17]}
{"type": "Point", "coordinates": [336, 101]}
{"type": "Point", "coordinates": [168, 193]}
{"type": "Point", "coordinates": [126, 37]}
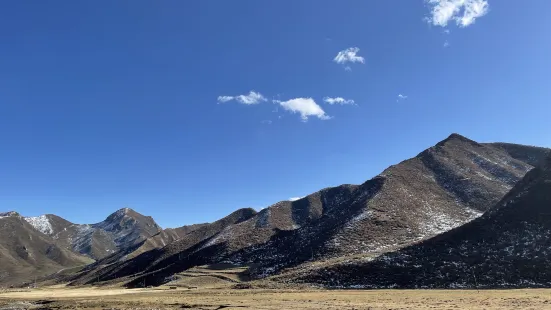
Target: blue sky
{"type": "Point", "coordinates": [147, 104]}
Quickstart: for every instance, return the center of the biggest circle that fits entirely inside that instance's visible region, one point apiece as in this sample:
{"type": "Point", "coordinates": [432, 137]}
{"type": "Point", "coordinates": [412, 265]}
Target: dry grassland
{"type": "Point", "coordinates": [231, 299]}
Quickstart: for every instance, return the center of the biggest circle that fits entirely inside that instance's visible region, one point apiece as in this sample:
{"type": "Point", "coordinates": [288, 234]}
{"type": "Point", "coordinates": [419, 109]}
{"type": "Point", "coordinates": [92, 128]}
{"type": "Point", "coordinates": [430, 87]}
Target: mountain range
{"type": "Point", "coordinates": [507, 247]}
{"type": "Point", "coordinates": [451, 191]}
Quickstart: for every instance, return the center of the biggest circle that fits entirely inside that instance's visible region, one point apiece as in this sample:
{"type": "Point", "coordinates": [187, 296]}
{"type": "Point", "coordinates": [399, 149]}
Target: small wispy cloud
{"type": "Point", "coordinates": [251, 98]}
{"type": "Point", "coordinates": [266, 122]}
{"type": "Point", "coordinates": [338, 100]}
{"type": "Point", "coordinates": [401, 97]}
{"type": "Point", "coordinates": [446, 43]}
{"type": "Point", "coordinates": [463, 12]}
{"type": "Point", "coordinates": [349, 55]}
{"type": "Point", "coordinates": [306, 107]}
{"type": "Point", "coordinates": [223, 99]}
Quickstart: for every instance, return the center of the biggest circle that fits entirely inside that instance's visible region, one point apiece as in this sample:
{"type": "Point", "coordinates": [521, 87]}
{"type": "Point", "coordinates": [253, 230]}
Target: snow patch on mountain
{"type": "Point", "coordinates": [41, 223]}
{"type": "Point", "coordinates": [224, 235]}
{"type": "Point", "coordinates": [82, 238]}
{"type": "Point", "coordinates": [8, 214]}
{"type": "Point", "coordinates": [437, 222]}
{"type": "Point", "coordinates": [358, 218]}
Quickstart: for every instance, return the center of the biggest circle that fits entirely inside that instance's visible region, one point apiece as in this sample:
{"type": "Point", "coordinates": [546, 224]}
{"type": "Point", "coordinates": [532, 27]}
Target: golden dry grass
{"type": "Point", "coordinates": [206, 299]}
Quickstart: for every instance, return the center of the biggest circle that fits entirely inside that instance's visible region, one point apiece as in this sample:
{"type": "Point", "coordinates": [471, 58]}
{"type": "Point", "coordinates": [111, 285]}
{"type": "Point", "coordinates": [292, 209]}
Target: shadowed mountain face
{"type": "Point", "coordinates": [27, 253]}
{"type": "Point", "coordinates": [442, 188]}
{"type": "Point", "coordinates": [531, 155]}
{"type": "Point", "coordinates": [121, 230]}
{"type": "Point", "coordinates": [119, 266]}
{"type": "Point", "coordinates": [123, 234]}
{"type": "Point", "coordinates": [165, 237]}
{"type": "Point", "coordinates": [509, 246]}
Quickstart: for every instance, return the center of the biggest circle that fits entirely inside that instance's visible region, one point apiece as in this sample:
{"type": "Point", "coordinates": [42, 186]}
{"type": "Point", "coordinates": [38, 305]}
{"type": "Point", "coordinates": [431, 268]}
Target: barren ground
{"type": "Point", "coordinates": [232, 299]}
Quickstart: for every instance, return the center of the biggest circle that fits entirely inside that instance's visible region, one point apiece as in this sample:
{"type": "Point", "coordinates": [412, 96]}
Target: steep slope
{"type": "Point", "coordinates": [121, 230]}
{"type": "Point", "coordinates": [509, 246]}
{"type": "Point", "coordinates": [27, 253]}
{"type": "Point", "coordinates": [531, 155]}
{"type": "Point", "coordinates": [164, 237]}
{"type": "Point", "coordinates": [443, 187]}
{"type": "Point", "coordinates": [110, 268]}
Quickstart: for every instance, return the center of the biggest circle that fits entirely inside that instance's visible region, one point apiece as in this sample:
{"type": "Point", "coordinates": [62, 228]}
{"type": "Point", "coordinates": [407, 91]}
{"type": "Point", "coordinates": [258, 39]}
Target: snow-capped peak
{"type": "Point", "coordinates": [41, 223]}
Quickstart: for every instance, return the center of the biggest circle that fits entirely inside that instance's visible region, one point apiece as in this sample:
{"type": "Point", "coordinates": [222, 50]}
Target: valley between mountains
{"type": "Point", "coordinates": [460, 214]}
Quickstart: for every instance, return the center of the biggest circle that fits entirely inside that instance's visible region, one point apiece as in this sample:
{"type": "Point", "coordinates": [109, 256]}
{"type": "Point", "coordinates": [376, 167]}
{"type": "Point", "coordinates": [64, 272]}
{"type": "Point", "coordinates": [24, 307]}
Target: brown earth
{"type": "Point", "coordinates": [164, 298]}
{"type": "Point", "coordinates": [27, 254]}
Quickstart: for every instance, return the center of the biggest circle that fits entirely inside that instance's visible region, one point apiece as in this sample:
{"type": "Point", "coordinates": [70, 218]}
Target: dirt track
{"type": "Point", "coordinates": [207, 299]}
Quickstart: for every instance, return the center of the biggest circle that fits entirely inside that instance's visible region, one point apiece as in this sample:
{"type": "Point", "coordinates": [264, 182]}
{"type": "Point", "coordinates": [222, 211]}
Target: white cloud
{"type": "Point", "coordinates": [349, 55]}
{"type": "Point", "coordinates": [401, 97]}
{"type": "Point", "coordinates": [252, 98]}
{"type": "Point", "coordinates": [223, 99]}
{"type": "Point", "coordinates": [296, 198]}
{"type": "Point", "coordinates": [266, 122]}
{"type": "Point", "coordinates": [305, 107]}
{"type": "Point", "coordinates": [338, 100]}
{"type": "Point", "coordinates": [347, 68]}
{"type": "Point", "coordinates": [446, 43]}
{"type": "Point", "coordinates": [463, 12]}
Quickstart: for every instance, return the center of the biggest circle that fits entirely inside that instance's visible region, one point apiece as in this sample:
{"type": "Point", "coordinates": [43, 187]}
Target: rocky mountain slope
{"type": "Point", "coordinates": [26, 253]}
{"type": "Point", "coordinates": [531, 155]}
{"type": "Point", "coordinates": [119, 266]}
{"type": "Point", "coordinates": [509, 246]}
{"type": "Point", "coordinates": [443, 187]}
{"type": "Point", "coordinates": [121, 230]}
{"type": "Point", "coordinates": [122, 235]}
{"type": "Point", "coordinates": [165, 237]}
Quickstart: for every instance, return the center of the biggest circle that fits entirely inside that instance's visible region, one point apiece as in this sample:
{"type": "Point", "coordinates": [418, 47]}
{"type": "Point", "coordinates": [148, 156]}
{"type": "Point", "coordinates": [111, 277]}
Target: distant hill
{"type": "Point", "coordinates": [123, 229]}
{"type": "Point", "coordinates": [119, 266]}
{"type": "Point", "coordinates": [26, 253]}
{"type": "Point", "coordinates": [123, 234]}
{"type": "Point", "coordinates": [508, 247]}
{"type": "Point", "coordinates": [165, 237]}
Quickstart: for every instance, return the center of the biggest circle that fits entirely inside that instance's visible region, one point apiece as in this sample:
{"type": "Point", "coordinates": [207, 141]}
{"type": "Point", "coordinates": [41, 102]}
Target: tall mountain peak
{"type": "Point", "coordinates": [514, 232]}
{"type": "Point", "coordinates": [121, 213]}
{"type": "Point", "coordinates": [455, 137]}
{"type": "Point", "coordinates": [120, 230]}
